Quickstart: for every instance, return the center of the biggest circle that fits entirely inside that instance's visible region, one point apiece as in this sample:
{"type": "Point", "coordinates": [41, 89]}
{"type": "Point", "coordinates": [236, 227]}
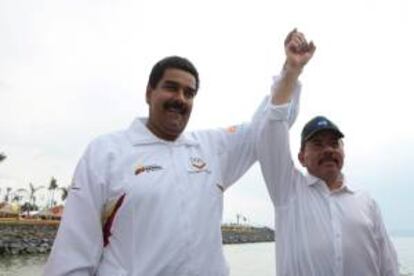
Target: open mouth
{"type": "Point", "coordinates": [176, 108]}
{"type": "Point", "coordinates": [177, 114]}
{"type": "Point", "coordinates": [328, 161]}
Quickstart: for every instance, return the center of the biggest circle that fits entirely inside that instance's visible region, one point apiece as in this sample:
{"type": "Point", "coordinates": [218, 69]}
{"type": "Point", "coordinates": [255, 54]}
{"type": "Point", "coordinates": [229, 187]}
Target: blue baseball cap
{"type": "Point", "coordinates": [316, 125]}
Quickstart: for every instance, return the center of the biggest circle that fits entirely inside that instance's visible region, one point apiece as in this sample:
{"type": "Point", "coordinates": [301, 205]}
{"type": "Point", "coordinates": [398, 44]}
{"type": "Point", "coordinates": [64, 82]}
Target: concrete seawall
{"type": "Point", "coordinates": [22, 237]}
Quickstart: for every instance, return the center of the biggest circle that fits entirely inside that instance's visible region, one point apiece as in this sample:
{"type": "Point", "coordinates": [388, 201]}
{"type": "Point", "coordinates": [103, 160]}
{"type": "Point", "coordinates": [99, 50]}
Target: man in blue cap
{"type": "Point", "coordinates": [318, 134]}
{"type": "Point", "coordinates": [323, 226]}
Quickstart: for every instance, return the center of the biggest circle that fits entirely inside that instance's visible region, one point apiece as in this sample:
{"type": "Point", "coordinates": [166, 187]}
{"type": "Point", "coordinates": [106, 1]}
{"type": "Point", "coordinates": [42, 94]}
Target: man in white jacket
{"type": "Point", "coordinates": [148, 201]}
{"type": "Point", "coordinates": [324, 227]}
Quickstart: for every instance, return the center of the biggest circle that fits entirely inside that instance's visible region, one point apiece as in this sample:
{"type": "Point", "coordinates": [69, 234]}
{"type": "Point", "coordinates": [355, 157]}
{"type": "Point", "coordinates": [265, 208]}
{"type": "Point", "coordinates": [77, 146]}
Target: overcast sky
{"type": "Point", "coordinates": [72, 70]}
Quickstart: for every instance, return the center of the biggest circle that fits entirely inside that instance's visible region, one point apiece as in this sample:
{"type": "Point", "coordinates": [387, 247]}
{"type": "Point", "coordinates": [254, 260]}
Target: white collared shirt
{"type": "Point", "coordinates": [319, 232]}
{"type": "Point", "coordinates": [160, 203]}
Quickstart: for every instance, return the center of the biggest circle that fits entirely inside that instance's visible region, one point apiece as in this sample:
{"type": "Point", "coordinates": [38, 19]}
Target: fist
{"type": "Point", "coordinates": [298, 50]}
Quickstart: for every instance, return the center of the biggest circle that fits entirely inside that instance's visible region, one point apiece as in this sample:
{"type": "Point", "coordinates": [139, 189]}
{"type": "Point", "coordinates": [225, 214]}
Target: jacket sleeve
{"type": "Point", "coordinates": [238, 144]}
{"type": "Point", "coordinates": [78, 245]}
{"type": "Point", "coordinates": [388, 261]}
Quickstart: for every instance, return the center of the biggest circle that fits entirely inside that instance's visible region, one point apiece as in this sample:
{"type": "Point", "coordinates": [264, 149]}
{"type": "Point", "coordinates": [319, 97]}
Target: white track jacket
{"type": "Point", "coordinates": [142, 206]}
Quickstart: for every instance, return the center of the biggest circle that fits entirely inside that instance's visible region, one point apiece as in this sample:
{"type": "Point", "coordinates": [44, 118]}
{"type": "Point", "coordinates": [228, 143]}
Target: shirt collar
{"type": "Point", "coordinates": [312, 180]}
{"type": "Point", "coordinates": [139, 134]}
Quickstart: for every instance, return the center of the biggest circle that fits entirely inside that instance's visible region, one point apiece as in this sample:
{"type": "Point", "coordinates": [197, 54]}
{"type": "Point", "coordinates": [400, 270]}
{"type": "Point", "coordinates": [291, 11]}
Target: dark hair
{"type": "Point", "coordinates": [174, 62]}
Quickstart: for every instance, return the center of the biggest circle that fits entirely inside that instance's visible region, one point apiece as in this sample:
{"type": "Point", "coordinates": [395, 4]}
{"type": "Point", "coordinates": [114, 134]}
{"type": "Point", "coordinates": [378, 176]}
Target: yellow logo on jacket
{"type": "Point", "coordinates": [150, 168]}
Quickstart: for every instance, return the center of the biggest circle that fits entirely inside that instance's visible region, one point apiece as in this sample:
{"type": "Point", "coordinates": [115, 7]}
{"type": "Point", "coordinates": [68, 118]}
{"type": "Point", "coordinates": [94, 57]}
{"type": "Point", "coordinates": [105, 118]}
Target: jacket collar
{"type": "Point", "coordinates": [139, 134]}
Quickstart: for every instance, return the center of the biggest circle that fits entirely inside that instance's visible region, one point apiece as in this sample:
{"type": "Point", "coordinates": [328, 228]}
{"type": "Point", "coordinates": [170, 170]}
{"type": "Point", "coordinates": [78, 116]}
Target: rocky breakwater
{"type": "Point", "coordinates": [246, 234]}
{"type": "Point", "coordinates": [33, 236]}
{"type": "Point", "coordinates": [23, 237]}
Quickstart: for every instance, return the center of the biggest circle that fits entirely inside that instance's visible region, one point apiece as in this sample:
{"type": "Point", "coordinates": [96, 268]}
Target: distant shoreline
{"type": "Point", "coordinates": [29, 236]}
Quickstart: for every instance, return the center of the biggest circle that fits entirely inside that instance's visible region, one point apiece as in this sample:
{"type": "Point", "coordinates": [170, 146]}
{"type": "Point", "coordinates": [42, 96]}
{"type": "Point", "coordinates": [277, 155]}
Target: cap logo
{"type": "Point", "coordinates": [322, 123]}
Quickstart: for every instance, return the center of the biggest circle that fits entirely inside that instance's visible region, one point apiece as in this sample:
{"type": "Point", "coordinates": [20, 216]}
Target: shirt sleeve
{"type": "Point", "coordinates": [273, 148]}
{"type": "Point", "coordinates": [238, 144]}
{"type": "Point", "coordinates": [274, 154]}
{"type": "Point", "coordinates": [388, 261]}
{"type": "Point", "coordinates": [78, 245]}
{"type": "Point", "coordinates": [293, 109]}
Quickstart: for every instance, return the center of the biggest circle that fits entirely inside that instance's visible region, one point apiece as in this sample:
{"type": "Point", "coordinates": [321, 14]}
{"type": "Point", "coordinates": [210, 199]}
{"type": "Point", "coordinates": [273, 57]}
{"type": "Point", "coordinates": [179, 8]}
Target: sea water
{"type": "Point", "coordinates": [254, 259]}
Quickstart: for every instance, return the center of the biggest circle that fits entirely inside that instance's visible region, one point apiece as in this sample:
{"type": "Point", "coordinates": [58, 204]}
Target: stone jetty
{"type": "Point", "coordinates": [246, 234]}
{"type": "Point", "coordinates": [37, 236]}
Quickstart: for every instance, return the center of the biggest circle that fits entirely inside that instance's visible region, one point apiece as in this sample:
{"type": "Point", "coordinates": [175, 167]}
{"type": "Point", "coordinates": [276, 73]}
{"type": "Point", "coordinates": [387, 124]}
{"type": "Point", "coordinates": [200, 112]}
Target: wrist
{"type": "Point", "coordinates": [291, 72]}
{"type": "Point", "coordinates": [291, 69]}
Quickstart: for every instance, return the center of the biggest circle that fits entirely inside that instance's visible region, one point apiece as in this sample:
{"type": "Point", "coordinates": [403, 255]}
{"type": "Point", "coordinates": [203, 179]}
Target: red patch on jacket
{"type": "Point", "coordinates": [108, 223]}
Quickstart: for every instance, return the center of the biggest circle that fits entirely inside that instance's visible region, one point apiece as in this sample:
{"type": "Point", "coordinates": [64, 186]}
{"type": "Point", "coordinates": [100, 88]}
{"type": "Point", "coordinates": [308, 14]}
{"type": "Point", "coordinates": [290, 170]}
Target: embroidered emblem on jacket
{"type": "Point", "coordinates": [150, 168]}
{"type": "Point", "coordinates": [198, 164]}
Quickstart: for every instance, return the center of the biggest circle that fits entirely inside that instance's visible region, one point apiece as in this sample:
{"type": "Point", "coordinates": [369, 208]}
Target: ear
{"type": "Point", "coordinates": [301, 157]}
{"type": "Point", "coordinates": [148, 94]}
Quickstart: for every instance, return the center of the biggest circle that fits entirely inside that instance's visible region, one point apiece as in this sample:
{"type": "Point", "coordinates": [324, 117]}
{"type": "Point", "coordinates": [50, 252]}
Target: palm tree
{"type": "Point", "coordinates": [33, 190]}
{"type": "Point", "coordinates": [2, 157]}
{"type": "Point", "coordinates": [18, 194]}
{"type": "Point", "coordinates": [30, 204]}
{"type": "Point", "coordinates": [27, 207]}
{"type": "Point", "coordinates": [7, 196]}
{"type": "Point", "coordinates": [52, 188]}
{"type": "Point", "coordinates": [64, 193]}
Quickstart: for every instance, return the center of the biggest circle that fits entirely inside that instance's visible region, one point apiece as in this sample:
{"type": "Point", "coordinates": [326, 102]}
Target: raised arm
{"type": "Point", "coordinates": [273, 146]}
{"type": "Point", "coordinates": [298, 53]}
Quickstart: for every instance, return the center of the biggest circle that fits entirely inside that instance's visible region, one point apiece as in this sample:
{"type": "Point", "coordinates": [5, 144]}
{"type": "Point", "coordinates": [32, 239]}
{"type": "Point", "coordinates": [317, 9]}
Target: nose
{"type": "Point", "coordinates": [180, 95]}
{"type": "Point", "coordinates": [328, 148]}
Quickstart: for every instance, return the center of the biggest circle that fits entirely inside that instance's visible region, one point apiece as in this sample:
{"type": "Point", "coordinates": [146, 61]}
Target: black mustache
{"type": "Point", "coordinates": [177, 105]}
{"type": "Point", "coordinates": [328, 158]}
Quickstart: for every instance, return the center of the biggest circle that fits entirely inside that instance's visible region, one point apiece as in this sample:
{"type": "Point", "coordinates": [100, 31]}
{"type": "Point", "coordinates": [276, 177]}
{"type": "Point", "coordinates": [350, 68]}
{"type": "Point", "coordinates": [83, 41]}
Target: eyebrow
{"type": "Point", "coordinates": [171, 82]}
